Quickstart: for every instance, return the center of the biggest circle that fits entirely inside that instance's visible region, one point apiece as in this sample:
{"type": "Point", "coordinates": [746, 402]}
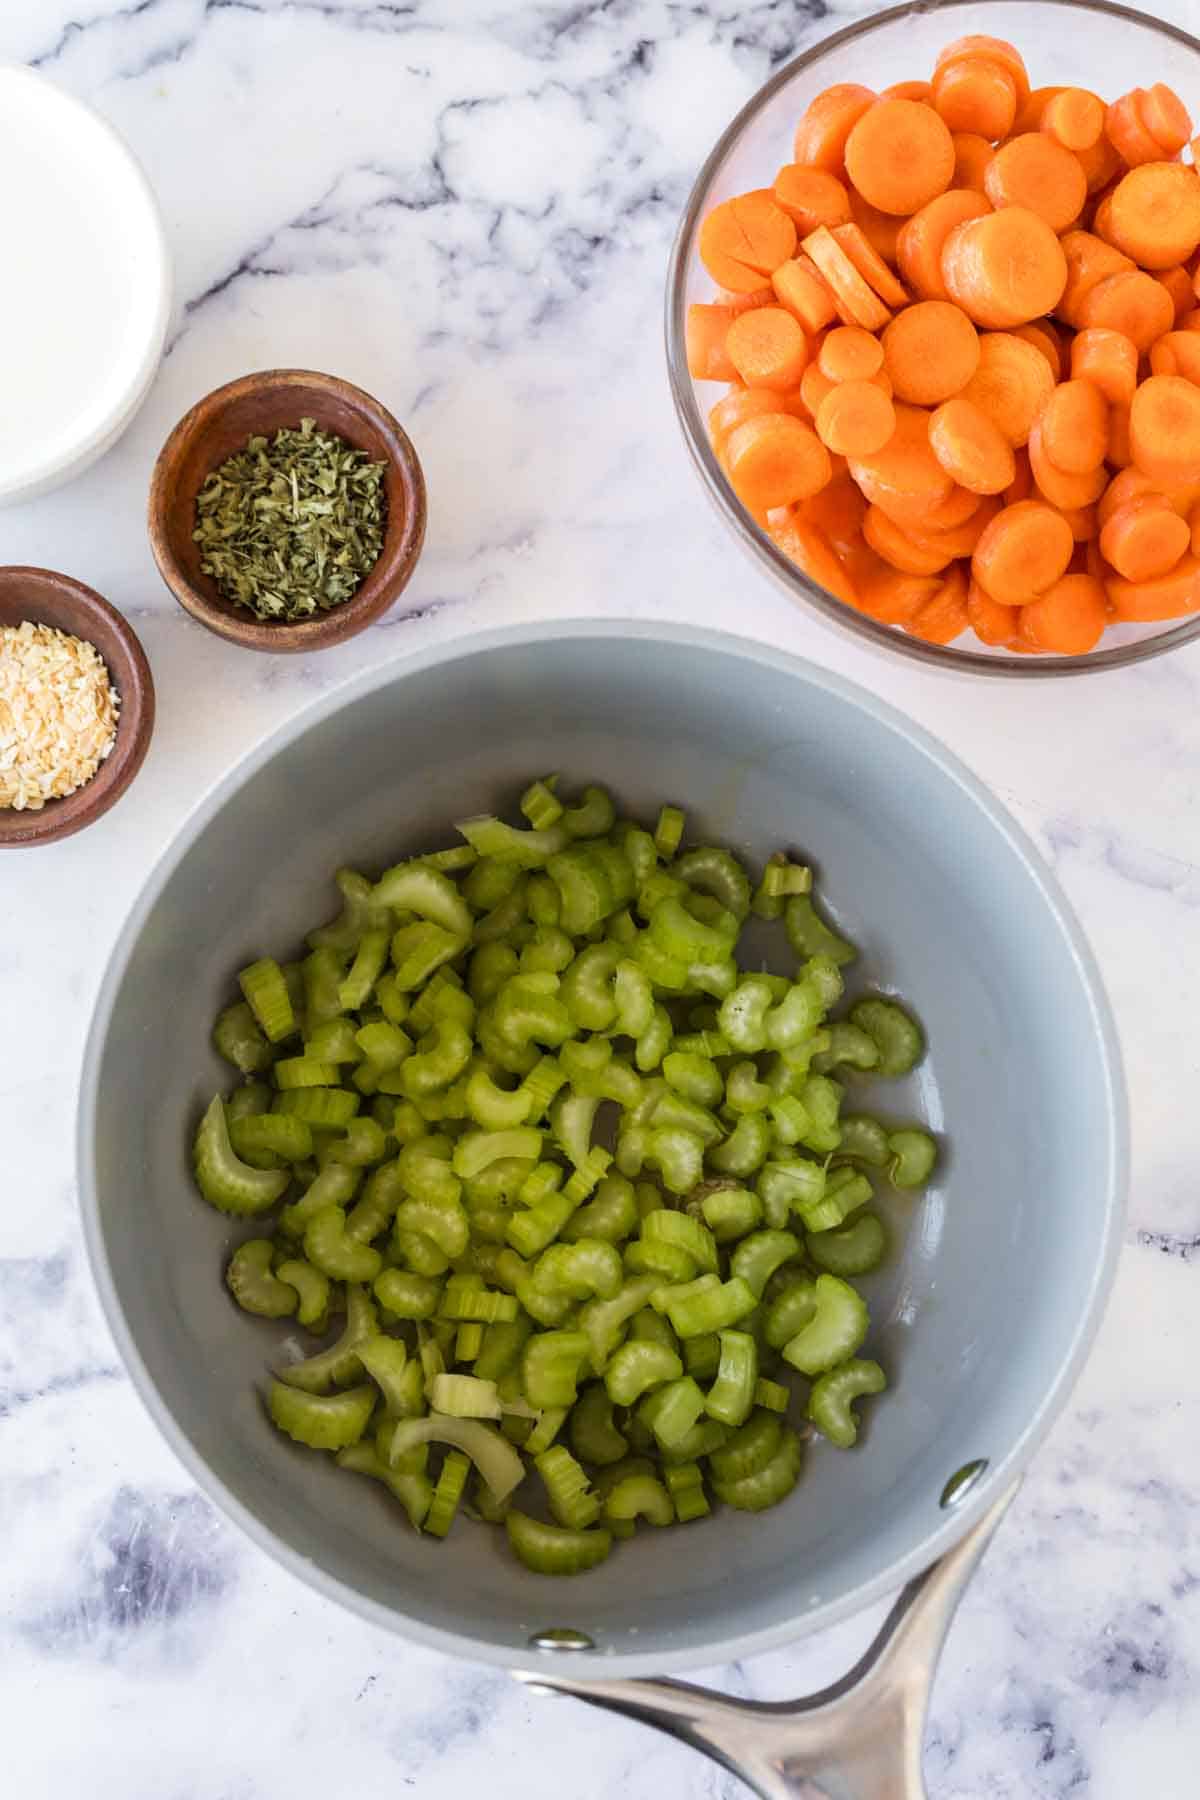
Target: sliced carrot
{"type": "Point", "coordinates": [1023, 552]}
{"type": "Point", "coordinates": [1108, 359]}
{"type": "Point", "coordinates": [744, 240]}
{"type": "Point", "coordinates": [1022, 485]}
{"type": "Point", "coordinates": [806, 545]}
{"type": "Point", "coordinates": [905, 472]}
{"type": "Point", "coordinates": [800, 286]}
{"type": "Point", "coordinates": [767, 347]}
{"type": "Point", "coordinates": [1034, 171]}
{"type": "Point", "coordinates": [1178, 284]}
{"type": "Point", "coordinates": [1042, 335]}
{"type": "Point", "coordinates": [1154, 214]}
{"type": "Point", "coordinates": [896, 547]}
{"type": "Point", "coordinates": [1133, 303]}
{"type": "Point", "coordinates": [919, 245]}
{"type": "Point", "coordinates": [870, 264]}
{"type": "Point", "coordinates": [1164, 428]}
{"type": "Point", "coordinates": [972, 154]}
{"type": "Point", "coordinates": [741, 404]}
{"type": "Point", "coordinates": [973, 93]}
{"type": "Point", "coordinates": [899, 155]}
{"type": "Point", "coordinates": [1074, 427]}
{"type": "Point", "coordinates": [1145, 538]}
{"type": "Point", "coordinates": [959, 505]}
{"type": "Point", "coordinates": [1127, 132]}
{"type": "Point", "coordinates": [891, 595]}
{"type": "Point", "coordinates": [837, 511]}
{"type": "Point", "coordinates": [1084, 523]}
{"type": "Point", "coordinates": [1074, 117]}
{"type": "Point", "coordinates": [1011, 385]}
{"type": "Point", "coordinates": [1165, 117]}
{"type": "Point", "coordinates": [879, 228]}
{"type": "Point", "coordinates": [848, 353]}
{"type": "Point", "coordinates": [990, 620]}
{"type": "Point", "coordinates": [740, 303]}
{"type": "Point", "coordinates": [1069, 617]}
{"type": "Point", "coordinates": [855, 419]}
{"type": "Point", "coordinates": [1089, 262]}
{"type": "Point", "coordinates": [775, 459]}
{"type": "Point", "coordinates": [811, 197]}
{"type": "Point", "coordinates": [815, 387]}
{"type": "Point", "coordinates": [960, 541]}
{"type": "Point", "coordinates": [857, 304]}
{"type": "Point", "coordinates": [1032, 109]}
{"type": "Point", "coordinates": [907, 90]}
{"type": "Point", "coordinates": [1170, 597]}
{"type": "Point", "coordinates": [1119, 452]}
{"type": "Point", "coordinates": [1004, 269]}
{"type": "Point", "coordinates": [944, 617]}
{"type": "Point", "coordinates": [931, 351]}
{"type": "Point", "coordinates": [822, 132]}
{"type": "Point", "coordinates": [1099, 164]}
{"type": "Point", "coordinates": [704, 334]}
{"type": "Point", "coordinates": [995, 50]}
{"type": "Point", "coordinates": [1061, 487]}
{"type": "Point", "coordinates": [971, 448]}
{"type": "Point", "coordinates": [1128, 485]}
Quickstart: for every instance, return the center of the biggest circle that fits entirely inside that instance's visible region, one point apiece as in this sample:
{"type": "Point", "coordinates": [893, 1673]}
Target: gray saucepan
{"type": "Point", "coordinates": [983, 1315]}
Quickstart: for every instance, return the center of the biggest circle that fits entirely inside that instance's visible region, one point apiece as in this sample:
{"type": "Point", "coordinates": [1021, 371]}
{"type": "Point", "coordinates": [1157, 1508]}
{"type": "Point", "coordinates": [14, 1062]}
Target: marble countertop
{"type": "Point", "coordinates": [467, 207]}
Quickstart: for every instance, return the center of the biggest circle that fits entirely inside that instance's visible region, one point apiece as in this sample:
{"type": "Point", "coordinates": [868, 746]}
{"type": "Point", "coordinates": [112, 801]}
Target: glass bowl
{"type": "Point", "coordinates": [1082, 43]}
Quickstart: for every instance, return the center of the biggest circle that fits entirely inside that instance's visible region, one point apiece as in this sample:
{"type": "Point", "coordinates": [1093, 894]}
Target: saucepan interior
{"type": "Point", "coordinates": [987, 1305]}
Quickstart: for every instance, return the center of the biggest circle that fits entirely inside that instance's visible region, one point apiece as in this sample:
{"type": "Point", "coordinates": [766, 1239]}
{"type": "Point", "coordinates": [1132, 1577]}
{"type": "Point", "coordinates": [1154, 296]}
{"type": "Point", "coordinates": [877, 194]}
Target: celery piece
{"type": "Point", "coordinates": [554, 1550]}
{"type": "Point", "coordinates": [236, 1037]}
{"type": "Point", "coordinates": [321, 1421]}
{"type": "Point", "coordinates": [464, 1397]}
{"type": "Point", "coordinates": [831, 1402]}
{"type": "Point", "coordinates": [447, 1494]}
{"type": "Point", "coordinates": [226, 1182]}
{"type": "Point", "coordinates": [249, 1279]}
{"type": "Point", "coordinates": [770, 1484]}
{"type": "Point", "coordinates": [267, 996]}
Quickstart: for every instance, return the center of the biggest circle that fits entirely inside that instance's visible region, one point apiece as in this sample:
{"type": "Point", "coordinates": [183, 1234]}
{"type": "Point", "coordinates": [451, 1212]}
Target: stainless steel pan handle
{"type": "Point", "coordinates": [860, 1739]}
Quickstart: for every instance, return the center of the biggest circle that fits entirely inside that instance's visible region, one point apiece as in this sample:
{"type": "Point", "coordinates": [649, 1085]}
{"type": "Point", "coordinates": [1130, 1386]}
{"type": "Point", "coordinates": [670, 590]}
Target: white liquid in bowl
{"type": "Point", "coordinates": [84, 285]}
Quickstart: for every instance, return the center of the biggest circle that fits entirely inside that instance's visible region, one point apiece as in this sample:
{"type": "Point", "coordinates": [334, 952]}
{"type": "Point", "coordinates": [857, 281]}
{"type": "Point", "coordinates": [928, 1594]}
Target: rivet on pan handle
{"type": "Point", "coordinates": [860, 1739]}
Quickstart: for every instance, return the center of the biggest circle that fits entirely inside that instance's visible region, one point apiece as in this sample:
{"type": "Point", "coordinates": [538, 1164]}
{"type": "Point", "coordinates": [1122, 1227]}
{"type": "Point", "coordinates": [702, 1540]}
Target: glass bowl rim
{"type": "Point", "coordinates": [687, 409]}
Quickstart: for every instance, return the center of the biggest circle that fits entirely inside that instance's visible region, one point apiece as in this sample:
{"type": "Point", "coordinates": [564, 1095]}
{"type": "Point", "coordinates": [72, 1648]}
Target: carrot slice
{"type": "Point", "coordinates": [1006, 268]}
{"type": "Point", "coordinates": [774, 459]}
{"type": "Point", "coordinates": [848, 353]}
{"type": "Point", "coordinates": [1177, 353]}
{"type": "Point", "coordinates": [1062, 487]}
{"type": "Point", "coordinates": [855, 419]}
{"type": "Point", "coordinates": [1154, 214]}
{"type": "Point", "coordinates": [972, 154]}
{"type": "Point", "coordinates": [1119, 452]}
{"type": "Point", "coordinates": [704, 335]}
{"type": "Point", "coordinates": [811, 197]}
{"type": "Point", "coordinates": [1042, 335]}
{"type": "Point", "coordinates": [1069, 617]}
{"type": "Point", "coordinates": [899, 155]}
{"type": "Point", "coordinates": [892, 595]}
{"type": "Point", "coordinates": [1099, 164]}
{"type": "Point", "coordinates": [1022, 485]}
{"type": "Point", "coordinates": [821, 134]}
{"type": "Point", "coordinates": [961, 541]}
{"type": "Point", "coordinates": [1089, 262]}
{"type": "Point", "coordinates": [1128, 134]}
{"type": "Point", "coordinates": [1128, 485]}
{"type": "Point", "coordinates": [806, 545]}
{"type": "Point", "coordinates": [907, 90]}
{"type": "Point", "coordinates": [1034, 171]}
{"type": "Point", "coordinates": [1074, 427]}
{"type": "Point", "coordinates": [1022, 552]}
{"type": "Point", "coordinates": [974, 93]}
{"type": "Point", "coordinates": [905, 473]}
{"type": "Point", "coordinates": [1074, 117]}
{"type": "Point", "coordinates": [870, 264]}
{"type": "Point", "coordinates": [919, 245]}
{"type": "Point", "coordinates": [1032, 109]}
{"type": "Point", "coordinates": [1132, 303]}
{"type": "Point", "coordinates": [1108, 359]}
{"type": "Point", "coordinates": [1164, 428]}
{"type": "Point", "coordinates": [931, 351]}
{"type": "Point", "coordinates": [990, 620]}
{"type": "Point", "coordinates": [814, 388]}
{"type": "Point", "coordinates": [879, 228]}
{"type": "Point", "coordinates": [1011, 385]}
{"type": "Point", "coordinates": [892, 542]}
{"type": "Point", "coordinates": [944, 617]}
{"type": "Point", "coordinates": [1170, 597]}
{"type": "Point", "coordinates": [1145, 538]}
{"type": "Point", "coordinates": [971, 448]}
{"type": "Point", "coordinates": [740, 303]}
{"type": "Point", "coordinates": [744, 240]}
{"type": "Point", "coordinates": [958, 506]}
{"type": "Point", "coordinates": [767, 347]}
{"type": "Point", "coordinates": [857, 304]}
{"type": "Point", "coordinates": [800, 286]}
{"type": "Point", "coordinates": [837, 511]}
{"type": "Point", "coordinates": [746, 403]}
{"type": "Point", "coordinates": [1084, 522]}
{"type": "Point", "coordinates": [1178, 284]}
{"type": "Point", "coordinates": [1165, 117]}
{"type": "Point", "coordinates": [995, 50]}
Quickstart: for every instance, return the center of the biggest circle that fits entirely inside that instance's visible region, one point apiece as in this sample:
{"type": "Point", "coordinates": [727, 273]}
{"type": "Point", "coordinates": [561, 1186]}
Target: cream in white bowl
{"type": "Point", "coordinates": [86, 293]}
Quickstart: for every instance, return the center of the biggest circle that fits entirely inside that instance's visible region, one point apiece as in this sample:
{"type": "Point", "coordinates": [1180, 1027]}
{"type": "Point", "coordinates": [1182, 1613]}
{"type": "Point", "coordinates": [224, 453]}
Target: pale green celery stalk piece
{"type": "Point", "coordinates": [267, 996]}
{"type": "Point", "coordinates": [831, 1402]}
{"type": "Point", "coordinates": [640, 1497]}
{"type": "Point", "coordinates": [227, 1183]}
{"type": "Point", "coordinates": [492, 1454]}
{"type": "Point", "coordinates": [321, 1421]}
{"type": "Point", "coordinates": [330, 1248]}
{"type": "Point", "coordinates": [342, 1361]}
{"type": "Point", "coordinates": [236, 1037]}
{"type": "Point", "coordinates": [554, 1550]}
{"type": "Point", "coordinates": [770, 1485]}
{"type": "Point", "coordinates": [250, 1281]}
{"type": "Point", "coordinates": [312, 1292]}
{"type": "Point", "coordinates": [835, 1331]}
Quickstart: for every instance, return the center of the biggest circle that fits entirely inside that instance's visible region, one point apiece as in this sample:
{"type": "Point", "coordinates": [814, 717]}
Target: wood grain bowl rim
{"type": "Point", "coordinates": [170, 511]}
{"type": "Point", "coordinates": [48, 597]}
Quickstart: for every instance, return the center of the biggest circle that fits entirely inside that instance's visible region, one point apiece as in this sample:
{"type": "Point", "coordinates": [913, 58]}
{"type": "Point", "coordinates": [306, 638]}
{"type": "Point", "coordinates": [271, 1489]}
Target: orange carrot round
{"type": "Point", "coordinates": [1172, 596]}
{"type": "Point", "coordinates": [774, 459]}
{"type": "Point", "coordinates": [891, 595]}
{"type": "Point", "coordinates": [900, 155]}
{"type": "Point", "coordinates": [1154, 214]}
{"type": "Point", "coordinates": [879, 228]}
{"type": "Point", "coordinates": [958, 506]}
{"type": "Point", "coordinates": [1074, 427]}
{"type": "Point", "coordinates": [1034, 171]}
{"type": "Point", "coordinates": [855, 419]}
{"type": "Point", "coordinates": [806, 545]}
{"type": "Point", "coordinates": [744, 240]}
{"type": "Point", "coordinates": [1126, 486]}
{"type": "Point", "coordinates": [1127, 132]}
{"type": "Point", "coordinates": [1063, 488]}
{"type": "Point", "coordinates": [907, 90]}
{"type": "Point", "coordinates": [1068, 618]}
{"type": "Point", "coordinates": [1165, 117]}
{"type": "Point", "coordinates": [905, 473]}
{"type": "Point", "coordinates": [1022, 486]}
{"type": "Point", "coordinates": [822, 132]}
{"type": "Point", "coordinates": [896, 547]}
{"type": "Point", "coordinates": [811, 197]}
{"type": "Point", "coordinates": [1119, 453]}
{"type": "Point", "coordinates": [919, 245]}
{"type": "Point", "coordinates": [993, 49]}
{"type": "Point", "coordinates": [1074, 117]}
{"type": "Point", "coordinates": [837, 511]}
{"type": "Point", "coordinates": [799, 286]}
{"type": "Point", "coordinates": [1177, 353]}
{"type": "Point", "coordinates": [972, 154]}
{"type": "Point", "coordinates": [943, 617]}
{"type": "Point", "coordinates": [973, 93]}
{"type": "Point", "coordinates": [1164, 428]}
{"type": "Point", "coordinates": [767, 347]}
{"type": "Point", "coordinates": [849, 353]}
{"type": "Point", "coordinates": [1023, 552]}
{"type": "Point", "coordinates": [870, 265]}
{"type": "Point", "coordinates": [1099, 164]}
{"type": "Point", "coordinates": [1011, 385]}
{"type": "Point", "coordinates": [990, 620]}
{"type": "Point", "coordinates": [931, 350]}
{"type": "Point", "coordinates": [1178, 284]}
{"type": "Point", "coordinates": [1108, 359]}
{"type": "Point", "coordinates": [1004, 269]}
{"type": "Point", "coordinates": [971, 448]}
{"type": "Point", "coordinates": [856, 301]}
{"type": "Point", "coordinates": [1132, 303]}
{"type": "Point", "coordinates": [1089, 262]}
{"type": "Point", "coordinates": [815, 385]}
{"type": "Point", "coordinates": [959, 541]}
{"type": "Point", "coordinates": [1042, 335]}
{"type": "Point", "coordinates": [704, 335]}
{"type": "Point", "coordinates": [1145, 538]}
{"type": "Point", "coordinates": [741, 404]}
{"type": "Point", "coordinates": [740, 303]}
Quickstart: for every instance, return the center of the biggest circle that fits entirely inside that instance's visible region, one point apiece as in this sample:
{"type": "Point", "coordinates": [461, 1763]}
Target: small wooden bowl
{"type": "Point", "coordinates": [48, 598]}
{"type": "Point", "coordinates": [260, 404]}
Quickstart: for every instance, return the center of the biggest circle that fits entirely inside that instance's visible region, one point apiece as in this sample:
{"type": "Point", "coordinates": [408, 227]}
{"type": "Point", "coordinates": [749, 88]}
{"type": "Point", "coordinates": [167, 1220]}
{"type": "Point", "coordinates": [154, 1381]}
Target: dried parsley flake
{"type": "Point", "coordinates": [292, 525]}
